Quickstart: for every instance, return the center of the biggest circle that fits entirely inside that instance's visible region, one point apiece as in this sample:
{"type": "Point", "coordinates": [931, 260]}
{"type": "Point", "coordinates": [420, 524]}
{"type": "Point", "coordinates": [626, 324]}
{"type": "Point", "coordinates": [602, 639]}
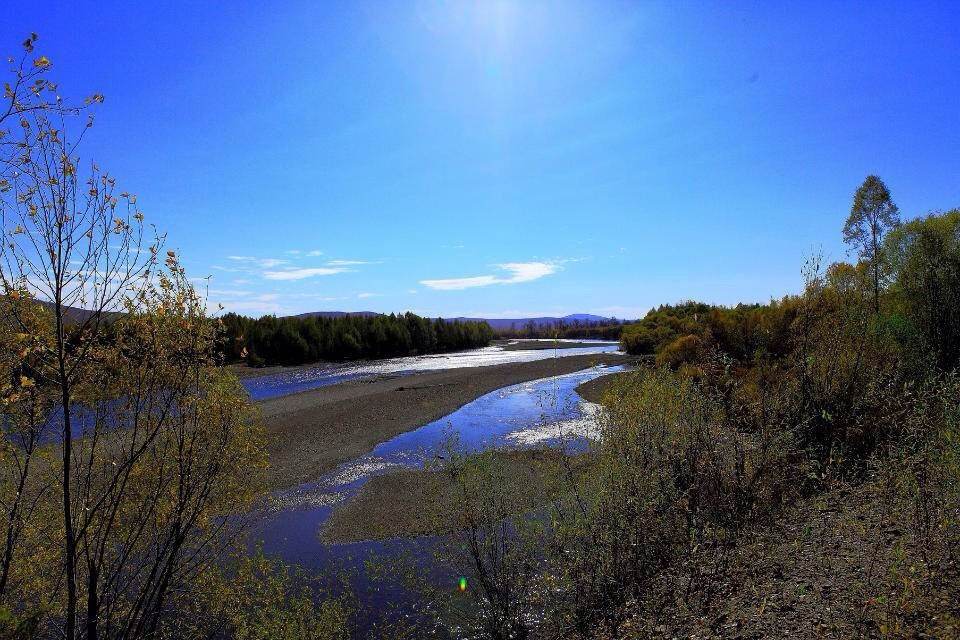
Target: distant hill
{"type": "Point", "coordinates": [500, 324]}
{"type": "Point", "coordinates": [497, 324]}
{"type": "Point", "coordinates": [76, 315]}
{"type": "Point", "coordinates": [335, 314]}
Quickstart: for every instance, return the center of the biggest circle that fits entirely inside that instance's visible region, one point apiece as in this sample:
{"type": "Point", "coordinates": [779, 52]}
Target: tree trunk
{"type": "Point", "coordinates": [70, 546]}
{"type": "Point", "coordinates": [876, 268]}
{"type": "Point", "coordinates": [93, 604]}
{"type": "Point", "coordinates": [12, 518]}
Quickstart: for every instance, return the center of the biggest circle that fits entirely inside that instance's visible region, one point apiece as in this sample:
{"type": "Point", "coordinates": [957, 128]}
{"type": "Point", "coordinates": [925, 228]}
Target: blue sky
{"type": "Point", "coordinates": [508, 158]}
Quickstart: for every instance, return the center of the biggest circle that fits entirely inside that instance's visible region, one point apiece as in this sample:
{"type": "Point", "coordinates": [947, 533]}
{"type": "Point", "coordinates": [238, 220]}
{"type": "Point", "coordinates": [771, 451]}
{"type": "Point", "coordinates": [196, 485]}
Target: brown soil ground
{"type": "Point", "coordinates": [312, 432]}
{"type": "Point", "coordinates": [840, 565]}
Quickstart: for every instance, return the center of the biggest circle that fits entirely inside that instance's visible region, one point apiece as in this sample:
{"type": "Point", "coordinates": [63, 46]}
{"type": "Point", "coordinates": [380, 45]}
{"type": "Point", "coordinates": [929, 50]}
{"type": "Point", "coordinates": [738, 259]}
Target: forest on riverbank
{"type": "Point", "coordinates": [295, 340]}
{"type": "Point", "coordinates": [566, 330]}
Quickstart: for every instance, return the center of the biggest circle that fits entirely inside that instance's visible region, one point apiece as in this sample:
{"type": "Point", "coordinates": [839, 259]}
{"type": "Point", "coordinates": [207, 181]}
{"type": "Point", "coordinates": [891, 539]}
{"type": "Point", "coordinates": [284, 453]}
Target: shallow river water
{"type": "Point", "coordinates": [313, 377]}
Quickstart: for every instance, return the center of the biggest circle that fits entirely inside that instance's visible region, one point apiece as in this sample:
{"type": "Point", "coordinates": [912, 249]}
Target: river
{"type": "Point", "coordinates": [312, 377]}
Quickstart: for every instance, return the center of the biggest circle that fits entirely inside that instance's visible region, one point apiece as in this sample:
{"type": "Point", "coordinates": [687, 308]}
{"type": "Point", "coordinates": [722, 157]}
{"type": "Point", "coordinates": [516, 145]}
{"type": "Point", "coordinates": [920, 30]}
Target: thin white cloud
{"type": "Point", "coordinates": [527, 271]}
{"type": "Point", "coordinates": [301, 274]}
{"type": "Point", "coordinates": [260, 305]}
{"type": "Point", "coordinates": [518, 272]}
{"type": "Point", "coordinates": [310, 253]}
{"type": "Point", "coordinates": [454, 284]}
{"type": "Point", "coordinates": [264, 263]}
{"type": "Point", "coordinates": [347, 263]}
{"type": "Point", "coordinates": [368, 295]}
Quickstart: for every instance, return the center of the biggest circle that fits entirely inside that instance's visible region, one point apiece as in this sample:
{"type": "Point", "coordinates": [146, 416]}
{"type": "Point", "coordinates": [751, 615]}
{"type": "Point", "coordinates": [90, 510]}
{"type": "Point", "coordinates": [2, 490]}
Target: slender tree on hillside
{"type": "Point", "coordinates": [872, 215]}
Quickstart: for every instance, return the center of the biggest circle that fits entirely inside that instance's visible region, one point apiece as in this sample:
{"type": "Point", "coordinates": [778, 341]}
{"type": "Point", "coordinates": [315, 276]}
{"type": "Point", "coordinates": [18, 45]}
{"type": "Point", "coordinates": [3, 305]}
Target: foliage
{"type": "Point", "coordinates": [679, 456]}
{"type": "Point", "coordinates": [744, 413]}
{"type": "Point", "coordinates": [746, 332]}
{"type": "Point", "coordinates": [924, 255]}
{"type": "Point", "coordinates": [496, 540]}
{"type": "Point", "coordinates": [872, 215]}
{"type": "Point", "coordinates": [662, 326]}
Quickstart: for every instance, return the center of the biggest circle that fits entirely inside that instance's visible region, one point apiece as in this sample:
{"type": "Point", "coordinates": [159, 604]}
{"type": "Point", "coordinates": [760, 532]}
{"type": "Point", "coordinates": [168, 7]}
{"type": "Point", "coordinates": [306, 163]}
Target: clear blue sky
{"type": "Point", "coordinates": [508, 158]}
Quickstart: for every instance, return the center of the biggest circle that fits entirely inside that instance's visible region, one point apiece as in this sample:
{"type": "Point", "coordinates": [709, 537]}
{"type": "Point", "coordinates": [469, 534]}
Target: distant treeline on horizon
{"type": "Point", "coordinates": [606, 329]}
{"type": "Point", "coordinates": [303, 339]}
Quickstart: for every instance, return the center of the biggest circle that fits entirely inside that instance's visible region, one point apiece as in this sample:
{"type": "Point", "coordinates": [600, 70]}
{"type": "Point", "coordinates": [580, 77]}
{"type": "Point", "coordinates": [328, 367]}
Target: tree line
{"type": "Point", "coordinates": [564, 330]}
{"type": "Point", "coordinates": [301, 339]}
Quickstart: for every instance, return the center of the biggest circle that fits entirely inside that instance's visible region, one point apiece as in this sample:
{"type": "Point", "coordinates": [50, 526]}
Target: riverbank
{"type": "Point", "coordinates": [593, 390]}
{"type": "Point", "coordinates": [310, 433]}
{"type": "Point", "coordinates": [244, 371]}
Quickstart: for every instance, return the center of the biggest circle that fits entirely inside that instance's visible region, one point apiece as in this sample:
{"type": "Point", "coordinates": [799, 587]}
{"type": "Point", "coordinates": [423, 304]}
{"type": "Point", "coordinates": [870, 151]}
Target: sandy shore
{"type": "Point", "coordinates": [312, 432]}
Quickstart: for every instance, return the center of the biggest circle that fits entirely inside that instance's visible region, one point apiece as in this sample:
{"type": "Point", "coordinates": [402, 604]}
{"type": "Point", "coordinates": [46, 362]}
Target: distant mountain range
{"type": "Point", "coordinates": [335, 314]}
{"type": "Point", "coordinates": [497, 324]}
{"type": "Point", "coordinates": [75, 315]}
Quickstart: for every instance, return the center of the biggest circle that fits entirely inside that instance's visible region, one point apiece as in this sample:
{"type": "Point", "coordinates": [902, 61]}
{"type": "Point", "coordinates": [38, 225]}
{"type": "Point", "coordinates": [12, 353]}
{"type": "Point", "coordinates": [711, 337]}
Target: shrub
{"type": "Point", "coordinates": [673, 474]}
{"type": "Point", "coordinates": [684, 350]}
